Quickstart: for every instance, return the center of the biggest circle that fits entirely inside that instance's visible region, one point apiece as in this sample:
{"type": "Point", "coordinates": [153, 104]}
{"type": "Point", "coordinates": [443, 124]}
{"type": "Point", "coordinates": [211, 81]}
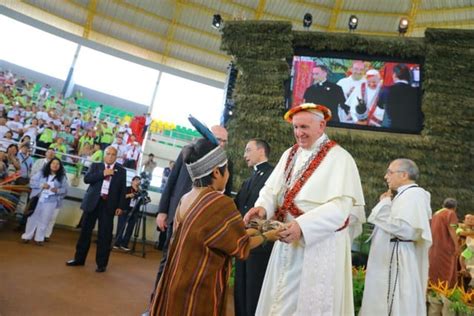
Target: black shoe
{"type": "Point", "coordinates": [46, 239]}
{"type": "Point", "coordinates": [74, 263]}
{"type": "Point", "coordinates": [100, 269]}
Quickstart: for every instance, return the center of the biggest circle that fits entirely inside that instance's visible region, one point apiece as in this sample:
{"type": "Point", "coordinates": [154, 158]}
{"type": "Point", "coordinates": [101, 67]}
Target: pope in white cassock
{"type": "Point", "coordinates": [397, 269]}
{"type": "Point", "coordinates": [315, 189]}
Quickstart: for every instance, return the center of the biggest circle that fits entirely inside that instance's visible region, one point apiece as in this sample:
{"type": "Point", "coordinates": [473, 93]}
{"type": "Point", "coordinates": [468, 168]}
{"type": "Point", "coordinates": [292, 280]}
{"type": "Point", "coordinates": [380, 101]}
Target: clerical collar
{"type": "Point", "coordinates": [317, 143]}
{"type": "Point", "coordinates": [321, 83]}
{"type": "Point", "coordinates": [401, 81]}
{"type": "Point", "coordinates": [259, 164]}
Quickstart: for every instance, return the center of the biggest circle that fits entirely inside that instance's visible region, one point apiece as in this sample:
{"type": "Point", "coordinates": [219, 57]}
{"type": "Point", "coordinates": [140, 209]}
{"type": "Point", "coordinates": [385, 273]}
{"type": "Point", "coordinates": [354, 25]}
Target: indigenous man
{"type": "Point", "coordinates": [315, 189]}
{"type": "Point", "coordinates": [397, 269]}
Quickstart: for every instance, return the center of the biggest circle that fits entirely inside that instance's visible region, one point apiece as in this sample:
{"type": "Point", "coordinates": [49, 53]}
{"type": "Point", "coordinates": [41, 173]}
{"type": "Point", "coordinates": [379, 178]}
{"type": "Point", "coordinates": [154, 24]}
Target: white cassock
{"type": "Point", "coordinates": [313, 276]}
{"type": "Point", "coordinates": [348, 86]}
{"type": "Point", "coordinates": [406, 217]}
{"type": "Point", "coordinates": [370, 97]}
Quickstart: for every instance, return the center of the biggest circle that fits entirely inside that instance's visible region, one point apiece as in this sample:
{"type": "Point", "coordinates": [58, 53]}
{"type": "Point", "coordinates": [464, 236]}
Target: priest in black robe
{"type": "Point", "coordinates": [249, 274]}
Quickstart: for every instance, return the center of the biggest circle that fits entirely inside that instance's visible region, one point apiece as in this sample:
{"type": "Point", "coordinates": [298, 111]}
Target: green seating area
{"type": "Point", "coordinates": [85, 105]}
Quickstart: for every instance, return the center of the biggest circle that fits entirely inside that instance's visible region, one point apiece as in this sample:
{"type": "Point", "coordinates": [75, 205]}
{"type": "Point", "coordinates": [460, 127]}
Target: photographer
{"type": "Point", "coordinates": [126, 221]}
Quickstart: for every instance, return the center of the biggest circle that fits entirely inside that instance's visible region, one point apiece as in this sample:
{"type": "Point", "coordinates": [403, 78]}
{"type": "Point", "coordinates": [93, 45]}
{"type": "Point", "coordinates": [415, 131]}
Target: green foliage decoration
{"type": "Point", "coordinates": [443, 151]}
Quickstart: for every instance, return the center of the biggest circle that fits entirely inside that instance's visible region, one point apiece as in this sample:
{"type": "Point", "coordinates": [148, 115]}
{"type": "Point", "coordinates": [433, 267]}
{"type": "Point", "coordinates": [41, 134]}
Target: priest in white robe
{"type": "Point", "coordinates": [397, 269]}
{"type": "Point", "coordinates": [315, 189]}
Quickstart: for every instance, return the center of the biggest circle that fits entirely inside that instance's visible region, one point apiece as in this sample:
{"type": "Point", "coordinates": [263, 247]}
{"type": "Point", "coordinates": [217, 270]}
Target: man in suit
{"type": "Point", "coordinates": [402, 110]}
{"type": "Point", "coordinates": [104, 198]}
{"type": "Point", "coordinates": [249, 274]}
{"type": "Point", "coordinates": [325, 93]}
{"type": "Point", "coordinates": [178, 184]}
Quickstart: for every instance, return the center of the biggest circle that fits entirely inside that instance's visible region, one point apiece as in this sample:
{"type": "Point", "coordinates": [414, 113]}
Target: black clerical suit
{"type": "Point", "coordinates": [402, 107]}
{"type": "Point", "coordinates": [328, 94]}
{"type": "Point", "coordinates": [249, 274]}
{"type": "Point", "coordinates": [179, 183]}
{"type": "Point", "coordinates": [97, 206]}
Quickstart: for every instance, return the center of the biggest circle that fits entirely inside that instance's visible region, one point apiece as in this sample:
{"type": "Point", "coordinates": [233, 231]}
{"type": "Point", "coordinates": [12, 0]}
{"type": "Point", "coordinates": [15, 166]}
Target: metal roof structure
{"type": "Point", "coordinates": [178, 34]}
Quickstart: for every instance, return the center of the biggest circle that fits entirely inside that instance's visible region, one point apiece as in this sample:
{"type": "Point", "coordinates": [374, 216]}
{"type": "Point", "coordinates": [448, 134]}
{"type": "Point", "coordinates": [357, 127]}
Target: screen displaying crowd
{"type": "Point", "coordinates": [360, 94]}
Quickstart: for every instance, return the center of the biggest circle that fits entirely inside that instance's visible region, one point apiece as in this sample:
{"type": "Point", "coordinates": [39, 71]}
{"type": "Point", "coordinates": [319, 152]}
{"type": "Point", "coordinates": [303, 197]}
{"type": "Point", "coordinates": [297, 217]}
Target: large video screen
{"type": "Point", "coordinates": [370, 94]}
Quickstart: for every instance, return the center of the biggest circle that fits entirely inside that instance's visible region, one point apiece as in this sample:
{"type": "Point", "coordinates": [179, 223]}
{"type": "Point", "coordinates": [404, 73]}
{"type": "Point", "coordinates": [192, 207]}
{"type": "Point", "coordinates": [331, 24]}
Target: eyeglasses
{"type": "Point", "coordinates": [390, 172]}
{"type": "Point", "coordinates": [220, 140]}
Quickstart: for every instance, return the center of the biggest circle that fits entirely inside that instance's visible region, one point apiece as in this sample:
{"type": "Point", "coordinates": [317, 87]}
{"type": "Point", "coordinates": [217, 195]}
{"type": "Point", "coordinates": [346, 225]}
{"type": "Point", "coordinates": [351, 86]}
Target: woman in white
{"type": "Point", "coordinates": [51, 185]}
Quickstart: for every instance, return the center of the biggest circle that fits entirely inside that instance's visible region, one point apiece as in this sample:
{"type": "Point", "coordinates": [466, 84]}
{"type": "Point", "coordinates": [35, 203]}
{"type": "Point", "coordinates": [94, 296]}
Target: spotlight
{"type": "Point", "coordinates": [353, 21]}
{"type": "Point", "coordinates": [307, 20]}
{"type": "Point", "coordinates": [217, 21]}
{"type": "Point", "coordinates": [403, 26]}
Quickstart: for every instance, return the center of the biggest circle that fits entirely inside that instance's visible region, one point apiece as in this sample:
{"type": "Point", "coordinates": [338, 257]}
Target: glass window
{"type": "Point", "coordinates": [34, 49]}
{"type": "Point", "coordinates": [115, 76]}
{"type": "Point", "coordinates": [178, 97]}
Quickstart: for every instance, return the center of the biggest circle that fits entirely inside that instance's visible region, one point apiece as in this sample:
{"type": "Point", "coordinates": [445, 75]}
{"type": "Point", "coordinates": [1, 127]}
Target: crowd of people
{"type": "Point", "coordinates": [312, 203]}
{"type": "Point", "coordinates": [44, 119]}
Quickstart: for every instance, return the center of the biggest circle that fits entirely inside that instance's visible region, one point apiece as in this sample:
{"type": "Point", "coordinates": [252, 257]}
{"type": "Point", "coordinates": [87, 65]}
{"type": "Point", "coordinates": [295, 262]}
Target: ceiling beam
{"type": "Point", "coordinates": [467, 22]}
{"type": "Point", "coordinates": [171, 30]}
{"type": "Point", "coordinates": [92, 32]}
{"type": "Point", "coordinates": [260, 9]}
{"type": "Point", "coordinates": [152, 15]}
{"type": "Point", "coordinates": [227, 16]}
{"type": "Point", "coordinates": [328, 9]}
{"type": "Point", "coordinates": [412, 15]}
{"type": "Point", "coordinates": [153, 33]}
{"type": "Point", "coordinates": [445, 10]}
{"type": "Point", "coordinates": [334, 15]}
{"type": "Point", "coordinates": [91, 9]}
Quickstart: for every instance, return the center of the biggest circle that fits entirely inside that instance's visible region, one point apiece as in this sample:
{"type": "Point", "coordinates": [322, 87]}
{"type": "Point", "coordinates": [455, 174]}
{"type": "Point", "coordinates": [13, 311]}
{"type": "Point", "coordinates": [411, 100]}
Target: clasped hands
{"type": "Point", "coordinates": [290, 233]}
{"type": "Point", "coordinates": [108, 172]}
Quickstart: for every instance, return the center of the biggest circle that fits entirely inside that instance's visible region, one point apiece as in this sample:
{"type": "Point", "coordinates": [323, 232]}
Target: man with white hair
{"type": "Point", "coordinates": [397, 269]}
{"type": "Point", "coordinates": [364, 101]}
{"type": "Point", "coordinates": [315, 190]}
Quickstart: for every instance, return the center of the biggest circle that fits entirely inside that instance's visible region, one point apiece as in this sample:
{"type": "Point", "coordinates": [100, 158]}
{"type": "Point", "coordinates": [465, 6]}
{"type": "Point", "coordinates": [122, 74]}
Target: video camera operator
{"type": "Point", "coordinates": [126, 221]}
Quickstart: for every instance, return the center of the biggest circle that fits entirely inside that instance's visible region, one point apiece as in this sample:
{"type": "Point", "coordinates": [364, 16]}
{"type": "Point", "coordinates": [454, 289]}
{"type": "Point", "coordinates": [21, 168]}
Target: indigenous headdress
{"type": "Point", "coordinates": [317, 109]}
{"type": "Point", "coordinates": [204, 166]}
{"type": "Point", "coordinates": [215, 158]}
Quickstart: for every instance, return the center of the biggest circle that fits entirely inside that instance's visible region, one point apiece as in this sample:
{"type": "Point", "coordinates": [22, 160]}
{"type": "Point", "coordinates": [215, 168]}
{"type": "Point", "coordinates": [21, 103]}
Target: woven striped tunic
{"type": "Point", "coordinates": [194, 281]}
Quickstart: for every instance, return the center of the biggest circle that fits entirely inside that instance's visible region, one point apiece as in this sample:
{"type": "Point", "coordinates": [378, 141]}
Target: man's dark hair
{"type": "Point", "coordinates": [59, 174]}
{"type": "Point", "coordinates": [402, 72]}
{"type": "Point", "coordinates": [151, 155]}
{"type": "Point", "coordinates": [323, 67]}
{"type": "Point", "coordinates": [262, 144]}
{"type": "Point", "coordinates": [450, 203]}
{"type": "Point", "coordinates": [195, 151]}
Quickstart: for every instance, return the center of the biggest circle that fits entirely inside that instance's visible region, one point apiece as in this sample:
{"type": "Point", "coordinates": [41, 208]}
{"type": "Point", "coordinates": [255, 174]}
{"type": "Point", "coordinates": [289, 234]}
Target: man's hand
{"type": "Point", "coordinates": [108, 172]}
{"type": "Point", "coordinates": [291, 233]}
{"type": "Point", "coordinates": [388, 194]}
{"type": "Point", "coordinates": [45, 186]}
{"type": "Point", "coordinates": [161, 221]}
{"type": "Point", "coordinates": [118, 212]}
{"type": "Point", "coordinates": [254, 212]}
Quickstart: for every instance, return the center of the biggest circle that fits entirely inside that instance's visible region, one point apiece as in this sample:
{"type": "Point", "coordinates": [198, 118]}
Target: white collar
{"type": "Point", "coordinates": [255, 166]}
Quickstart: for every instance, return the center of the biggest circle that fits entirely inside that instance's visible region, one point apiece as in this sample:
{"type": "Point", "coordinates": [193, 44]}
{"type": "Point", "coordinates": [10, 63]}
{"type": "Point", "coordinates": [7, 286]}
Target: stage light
{"type": "Point", "coordinates": [403, 26]}
{"type": "Point", "coordinates": [353, 21]}
{"type": "Point", "coordinates": [307, 20]}
{"type": "Point", "coordinates": [217, 21]}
